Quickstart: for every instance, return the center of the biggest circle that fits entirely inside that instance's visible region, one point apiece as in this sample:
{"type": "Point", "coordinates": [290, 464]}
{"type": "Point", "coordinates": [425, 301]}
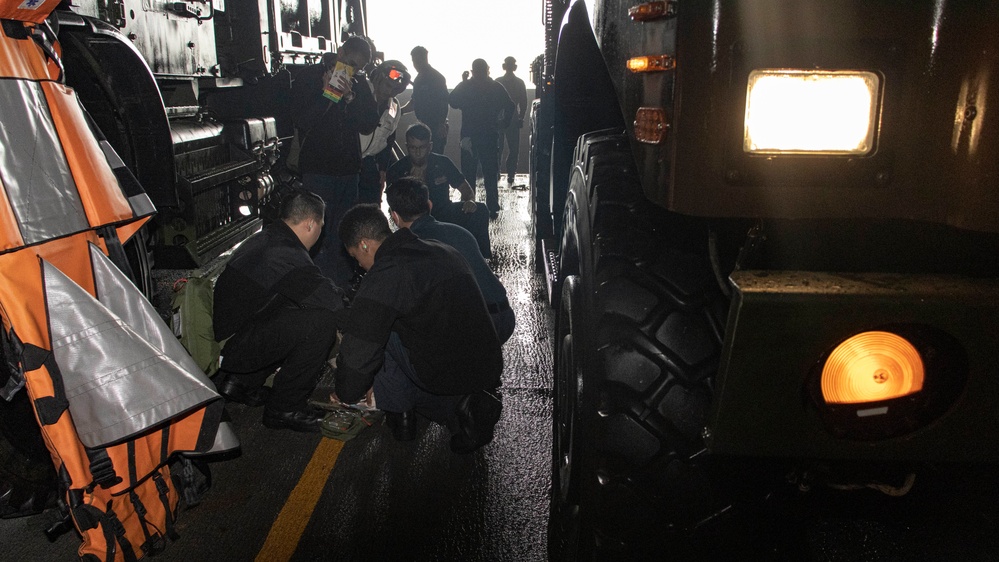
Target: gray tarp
{"type": "Point", "coordinates": [33, 166]}
{"type": "Point", "coordinates": [123, 370]}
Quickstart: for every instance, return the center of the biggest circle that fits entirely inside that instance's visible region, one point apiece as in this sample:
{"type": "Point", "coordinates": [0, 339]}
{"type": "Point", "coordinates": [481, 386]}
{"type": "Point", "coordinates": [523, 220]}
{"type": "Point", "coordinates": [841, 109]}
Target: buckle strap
{"type": "Point", "coordinates": [102, 468]}
{"type": "Point", "coordinates": [164, 491]}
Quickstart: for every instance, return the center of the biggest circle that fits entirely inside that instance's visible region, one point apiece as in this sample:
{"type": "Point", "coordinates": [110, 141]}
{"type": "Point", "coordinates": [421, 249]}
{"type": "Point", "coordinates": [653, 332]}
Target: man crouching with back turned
{"type": "Point", "coordinates": [419, 334]}
{"type": "Point", "coordinates": [278, 311]}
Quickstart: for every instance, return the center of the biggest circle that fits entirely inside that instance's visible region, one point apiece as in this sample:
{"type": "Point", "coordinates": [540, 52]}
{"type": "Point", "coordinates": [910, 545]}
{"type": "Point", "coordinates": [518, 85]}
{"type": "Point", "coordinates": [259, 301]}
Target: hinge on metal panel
{"type": "Point", "coordinates": [202, 11]}
{"type": "Point", "coordinates": [112, 11]}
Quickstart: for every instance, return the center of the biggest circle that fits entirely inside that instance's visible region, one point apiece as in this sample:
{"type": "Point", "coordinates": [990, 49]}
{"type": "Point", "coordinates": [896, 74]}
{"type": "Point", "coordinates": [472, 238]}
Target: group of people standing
{"type": "Point", "coordinates": [423, 328]}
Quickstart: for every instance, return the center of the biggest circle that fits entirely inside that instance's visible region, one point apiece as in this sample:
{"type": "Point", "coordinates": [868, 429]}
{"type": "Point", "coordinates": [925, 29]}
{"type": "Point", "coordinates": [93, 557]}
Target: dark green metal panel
{"type": "Point", "coordinates": [781, 324]}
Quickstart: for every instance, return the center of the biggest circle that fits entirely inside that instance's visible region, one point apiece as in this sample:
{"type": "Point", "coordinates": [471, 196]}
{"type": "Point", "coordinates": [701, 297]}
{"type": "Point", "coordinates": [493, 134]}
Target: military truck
{"type": "Point", "coordinates": [194, 96]}
{"type": "Point", "coordinates": [769, 231]}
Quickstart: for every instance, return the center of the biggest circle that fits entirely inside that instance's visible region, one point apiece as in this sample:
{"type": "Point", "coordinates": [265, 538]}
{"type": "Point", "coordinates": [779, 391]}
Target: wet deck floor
{"type": "Point", "coordinates": [290, 496]}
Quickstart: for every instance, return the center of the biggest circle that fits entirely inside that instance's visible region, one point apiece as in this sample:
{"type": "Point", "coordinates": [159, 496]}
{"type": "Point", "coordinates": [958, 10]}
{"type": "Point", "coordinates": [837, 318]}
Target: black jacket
{"type": "Point", "coordinates": [485, 106]}
{"type": "Point", "coordinates": [430, 97]}
{"type": "Point", "coordinates": [270, 270]}
{"type": "Point", "coordinates": [441, 176]}
{"type": "Point", "coordinates": [327, 130]}
{"type": "Point", "coordinates": [423, 291]}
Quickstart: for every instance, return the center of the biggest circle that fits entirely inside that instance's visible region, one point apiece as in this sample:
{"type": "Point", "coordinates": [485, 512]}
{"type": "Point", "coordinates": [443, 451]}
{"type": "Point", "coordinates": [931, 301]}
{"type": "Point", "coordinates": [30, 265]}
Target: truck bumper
{"type": "Point", "coordinates": [782, 326]}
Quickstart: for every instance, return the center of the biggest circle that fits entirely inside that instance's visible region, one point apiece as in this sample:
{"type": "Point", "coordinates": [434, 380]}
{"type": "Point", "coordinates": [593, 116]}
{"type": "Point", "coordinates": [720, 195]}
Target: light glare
{"type": "Point", "coordinates": [810, 112]}
{"type": "Point", "coordinates": [870, 367]}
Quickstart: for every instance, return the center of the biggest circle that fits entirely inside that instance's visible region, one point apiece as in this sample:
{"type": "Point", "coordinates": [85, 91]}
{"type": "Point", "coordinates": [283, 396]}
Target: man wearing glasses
{"type": "Point", "coordinates": [440, 175]}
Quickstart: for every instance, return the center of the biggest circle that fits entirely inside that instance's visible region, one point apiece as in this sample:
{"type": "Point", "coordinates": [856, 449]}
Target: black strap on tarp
{"type": "Point", "coordinates": [154, 541]}
{"type": "Point", "coordinates": [164, 491]}
{"type": "Point", "coordinates": [114, 531]}
{"type": "Point", "coordinates": [102, 468]}
{"type": "Point", "coordinates": [12, 352]}
{"type": "Point", "coordinates": [89, 517]}
{"type": "Point", "coordinates": [116, 251]}
{"type": "Point", "coordinates": [49, 408]}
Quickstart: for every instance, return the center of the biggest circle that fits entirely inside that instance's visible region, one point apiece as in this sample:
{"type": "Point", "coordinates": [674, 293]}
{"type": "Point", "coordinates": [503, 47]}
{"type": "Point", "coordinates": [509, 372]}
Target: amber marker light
{"type": "Point", "coordinates": [652, 10]}
{"type": "Point", "coordinates": [871, 367]}
{"type": "Point", "coordinates": [651, 63]}
{"type": "Point", "coordinates": [650, 125]}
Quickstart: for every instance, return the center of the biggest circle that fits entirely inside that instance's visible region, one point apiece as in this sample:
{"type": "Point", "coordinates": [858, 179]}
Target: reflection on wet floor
{"type": "Point", "coordinates": [382, 499]}
{"type": "Point", "coordinates": [387, 500]}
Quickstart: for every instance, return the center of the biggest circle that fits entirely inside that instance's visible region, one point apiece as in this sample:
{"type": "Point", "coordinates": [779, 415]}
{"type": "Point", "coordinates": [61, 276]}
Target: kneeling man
{"type": "Point", "coordinates": [419, 334]}
{"type": "Point", "coordinates": [277, 310]}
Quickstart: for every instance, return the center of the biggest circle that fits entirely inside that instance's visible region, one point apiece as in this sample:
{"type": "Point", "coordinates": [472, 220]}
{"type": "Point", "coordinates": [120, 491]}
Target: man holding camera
{"type": "Point", "coordinates": [329, 148]}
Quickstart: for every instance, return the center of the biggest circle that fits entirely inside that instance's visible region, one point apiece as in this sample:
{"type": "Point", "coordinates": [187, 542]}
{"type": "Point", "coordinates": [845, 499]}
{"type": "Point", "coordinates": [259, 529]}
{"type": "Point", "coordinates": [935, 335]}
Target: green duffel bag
{"type": "Point", "coordinates": [192, 321]}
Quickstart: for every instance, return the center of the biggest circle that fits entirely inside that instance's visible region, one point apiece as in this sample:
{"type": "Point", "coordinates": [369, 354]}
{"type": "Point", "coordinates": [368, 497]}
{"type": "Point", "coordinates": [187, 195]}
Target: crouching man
{"type": "Point", "coordinates": [419, 334]}
{"type": "Point", "coordinates": [410, 206]}
{"type": "Point", "coordinates": [277, 310]}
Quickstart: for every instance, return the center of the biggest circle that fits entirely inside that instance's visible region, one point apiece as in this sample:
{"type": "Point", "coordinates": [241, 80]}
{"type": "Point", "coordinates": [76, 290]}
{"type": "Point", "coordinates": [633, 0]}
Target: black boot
{"type": "Point", "coordinates": [305, 421]}
{"type": "Point", "coordinates": [477, 415]}
{"type": "Point", "coordinates": [403, 425]}
{"type": "Point", "coordinates": [234, 390]}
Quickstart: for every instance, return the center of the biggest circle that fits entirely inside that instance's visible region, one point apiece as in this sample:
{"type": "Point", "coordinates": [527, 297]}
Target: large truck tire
{"type": "Point", "coordinates": [638, 339]}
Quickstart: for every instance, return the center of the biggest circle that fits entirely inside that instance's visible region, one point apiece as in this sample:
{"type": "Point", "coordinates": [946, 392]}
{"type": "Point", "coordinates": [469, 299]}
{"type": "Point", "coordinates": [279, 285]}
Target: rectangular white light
{"type": "Point", "coordinates": [810, 112]}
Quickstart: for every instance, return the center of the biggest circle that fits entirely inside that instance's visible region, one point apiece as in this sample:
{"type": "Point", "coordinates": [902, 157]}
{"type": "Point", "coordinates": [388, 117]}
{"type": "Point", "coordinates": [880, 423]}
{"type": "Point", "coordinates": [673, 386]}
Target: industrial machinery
{"type": "Point", "coordinates": [770, 230]}
{"type": "Point", "coordinates": [194, 98]}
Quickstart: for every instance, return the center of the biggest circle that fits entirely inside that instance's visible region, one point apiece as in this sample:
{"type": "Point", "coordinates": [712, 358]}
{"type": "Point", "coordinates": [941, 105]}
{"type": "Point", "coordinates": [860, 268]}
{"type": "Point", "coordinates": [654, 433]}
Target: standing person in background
{"type": "Point", "coordinates": [485, 109]}
{"type": "Point", "coordinates": [518, 93]}
{"type": "Point", "coordinates": [330, 151]}
{"type": "Point", "coordinates": [388, 80]}
{"type": "Point", "coordinates": [429, 99]}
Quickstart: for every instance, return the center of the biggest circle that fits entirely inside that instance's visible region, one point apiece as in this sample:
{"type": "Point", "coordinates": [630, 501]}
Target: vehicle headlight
{"type": "Point", "coordinates": [811, 112]}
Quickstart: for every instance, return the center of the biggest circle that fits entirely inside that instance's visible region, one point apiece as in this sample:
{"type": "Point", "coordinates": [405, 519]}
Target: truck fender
{"type": "Point", "coordinates": [118, 89]}
{"type": "Point", "coordinates": [582, 97]}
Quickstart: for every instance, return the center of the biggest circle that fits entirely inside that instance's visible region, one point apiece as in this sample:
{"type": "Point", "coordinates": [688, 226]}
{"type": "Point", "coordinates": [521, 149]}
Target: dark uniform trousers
{"type": "Point", "coordinates": [397, 388]}
{"type": "Point", "coordinates": [298, 340]}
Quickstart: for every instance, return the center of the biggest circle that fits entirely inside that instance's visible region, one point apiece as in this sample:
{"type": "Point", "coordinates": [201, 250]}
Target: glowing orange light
{"type": "Point", "coordinates": [650, 125]}
{"type": "Point", "coordinates": [651, 63]}
{"type": "Point", "coordinates": [870, 367]}
{"type": "Point", "coordinates": [652, 10]}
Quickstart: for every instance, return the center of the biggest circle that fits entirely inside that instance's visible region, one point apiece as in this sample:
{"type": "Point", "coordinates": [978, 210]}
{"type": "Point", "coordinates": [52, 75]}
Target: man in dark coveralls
{"type": "Point", "coordinates": [429, 98]}
{"type": "Point", "coordinates": [330, 153]}
{"type": "Point", "coordinates": [418, 334]}
{"type": "Point", "coordinates": [511, 135]}
{"type": "Point", "coordinates": [277, 310]}
{"type": "Point", "coordinates": [440, 174]}
{"type": "Point", "coordinates": [486, 108]}
{"type": "Point", "coordinates": [410, 206]}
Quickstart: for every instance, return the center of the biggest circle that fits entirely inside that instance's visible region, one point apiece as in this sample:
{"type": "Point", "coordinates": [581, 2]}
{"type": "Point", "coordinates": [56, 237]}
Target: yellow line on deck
{"type": "Point", "coordinates": [282, 540]}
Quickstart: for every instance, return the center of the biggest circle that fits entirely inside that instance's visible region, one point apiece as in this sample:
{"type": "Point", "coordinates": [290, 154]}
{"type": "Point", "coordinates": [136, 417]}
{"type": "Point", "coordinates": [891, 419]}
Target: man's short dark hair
{"type": "Point", "coordinates": [418, 51]}
{"type": "Point", "coordinates": [480, 67]}
{"type": "Point", "coordinates": [418, 131]}
{"type": "Point", "coordinates": [300, 205]}
{"type": "Point", "coordinates": [363, 221]}
{"type": "Point", "coordinates": [357, 44]}
{"type": "Point", "coordinates": [409, 197]}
